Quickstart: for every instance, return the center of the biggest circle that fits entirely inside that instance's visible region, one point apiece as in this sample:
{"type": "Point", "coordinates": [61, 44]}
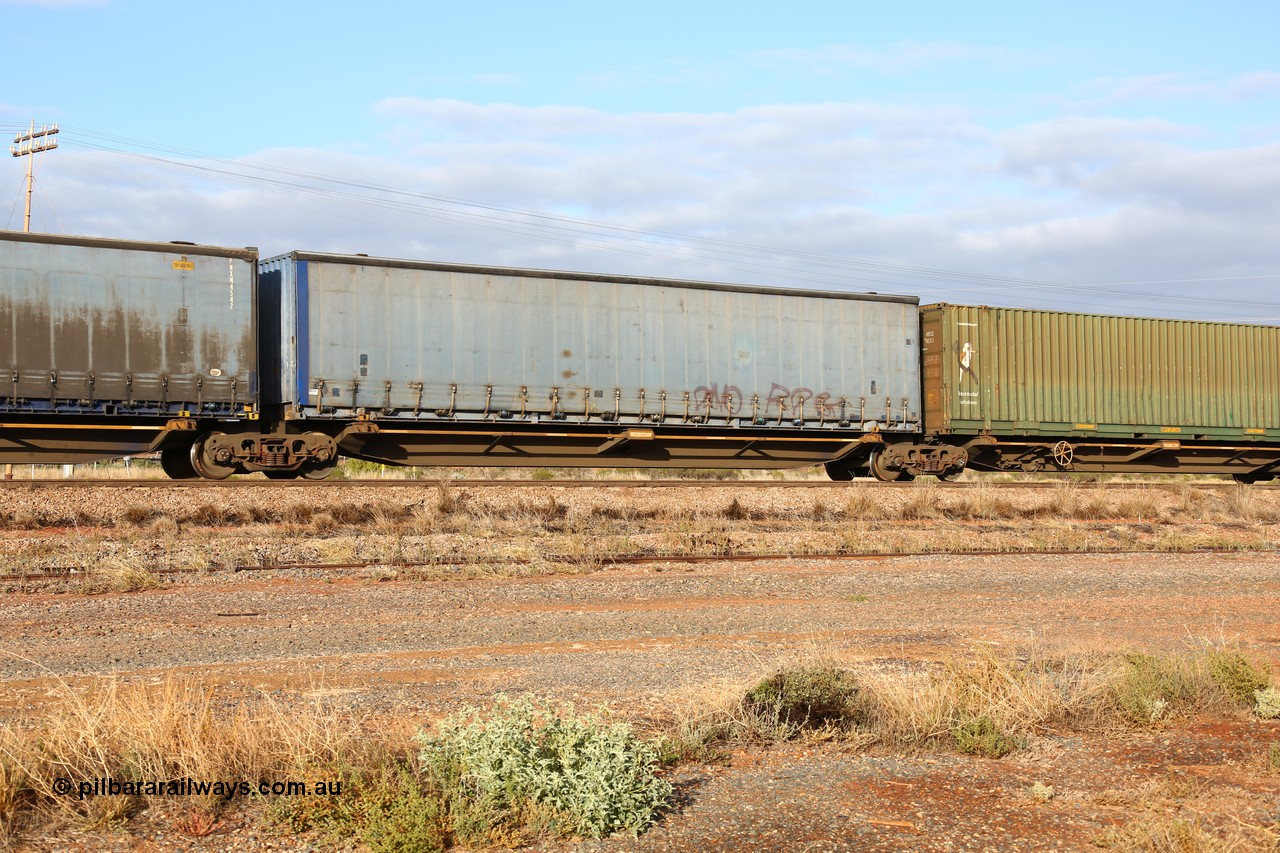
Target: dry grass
{"type": "Point", "coordinates": [117, 574]}
{"type": "Point", "coordinates": [984, 704]}
{"type": "Point", "coordinates": [177, 729]}
{"type": "Point", "coordinates": [446, 523]}
{"type": "Point", "coordinates": [1188, 835]}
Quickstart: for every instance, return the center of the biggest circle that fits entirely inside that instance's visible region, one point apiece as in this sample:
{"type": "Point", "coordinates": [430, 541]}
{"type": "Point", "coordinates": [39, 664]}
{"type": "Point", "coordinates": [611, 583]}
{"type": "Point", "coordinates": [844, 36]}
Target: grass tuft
{"type": "Point", "coordinates": [118, 574]}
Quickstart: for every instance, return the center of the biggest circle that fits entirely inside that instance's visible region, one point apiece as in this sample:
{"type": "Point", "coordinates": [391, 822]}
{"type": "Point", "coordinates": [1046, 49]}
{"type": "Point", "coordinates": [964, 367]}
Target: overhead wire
{"type": "Point", "coordinates": [691, 250]}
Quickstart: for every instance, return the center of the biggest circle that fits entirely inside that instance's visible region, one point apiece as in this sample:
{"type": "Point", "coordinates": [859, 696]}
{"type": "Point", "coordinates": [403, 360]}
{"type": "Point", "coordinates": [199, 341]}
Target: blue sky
{"type": "Point", "coordinates": [1089, 156]}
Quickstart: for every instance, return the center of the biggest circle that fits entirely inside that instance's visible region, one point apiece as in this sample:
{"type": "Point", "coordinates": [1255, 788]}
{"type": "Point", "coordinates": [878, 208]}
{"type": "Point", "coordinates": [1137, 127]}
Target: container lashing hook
{"type": "Point", "coordinates": [417, 403]}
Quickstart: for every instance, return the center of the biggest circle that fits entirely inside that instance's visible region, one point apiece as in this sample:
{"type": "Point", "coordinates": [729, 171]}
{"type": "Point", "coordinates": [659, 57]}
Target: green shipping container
{"type": "Point", "coordinates": [1015, 372]}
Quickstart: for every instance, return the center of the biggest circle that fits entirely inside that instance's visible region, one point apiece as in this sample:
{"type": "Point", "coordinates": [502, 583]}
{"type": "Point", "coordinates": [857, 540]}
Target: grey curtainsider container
{"type": "Point", "coordinates": [118, 329]}
{"type": "Point", "coordinates": [410, 340]}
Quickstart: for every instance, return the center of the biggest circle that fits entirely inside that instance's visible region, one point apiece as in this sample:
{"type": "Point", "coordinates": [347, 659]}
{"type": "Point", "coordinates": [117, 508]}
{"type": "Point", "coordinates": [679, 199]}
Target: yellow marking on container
{"type": "Point", "coordinates": [1086, 426]}
{"type": "Point", "coordinates": [184, 264]}
{"type": "Point", "coordinates": [1171, 429]}
{"type": "Point", "coordinates": [1254, 431]}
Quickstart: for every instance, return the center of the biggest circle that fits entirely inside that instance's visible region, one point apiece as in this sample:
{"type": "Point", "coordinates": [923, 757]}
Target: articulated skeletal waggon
{"type": "Point", "coordinates": [225, 363]}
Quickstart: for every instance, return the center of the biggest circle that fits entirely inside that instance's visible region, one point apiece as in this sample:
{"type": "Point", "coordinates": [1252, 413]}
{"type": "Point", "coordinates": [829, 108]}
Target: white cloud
{"type": "Point", "coordinates": [1074, 199]}
{"type": "Point", "coordinates": [1149, 88]}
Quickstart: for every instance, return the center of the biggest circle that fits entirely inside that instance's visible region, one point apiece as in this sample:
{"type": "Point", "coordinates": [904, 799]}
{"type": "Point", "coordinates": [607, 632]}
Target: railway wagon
{"type": "Point", "coordinates": [418, 363]}
{"type": "Point", "coordinates": [1028, 390]}
{"type": "Point", "coordinates": [114, 347]}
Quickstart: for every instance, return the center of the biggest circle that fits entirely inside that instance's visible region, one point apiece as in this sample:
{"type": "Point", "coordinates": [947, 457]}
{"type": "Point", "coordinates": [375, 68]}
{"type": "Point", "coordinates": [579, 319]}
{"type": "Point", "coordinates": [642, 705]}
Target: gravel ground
{"type": "Point", "coordinates": [642, 638]}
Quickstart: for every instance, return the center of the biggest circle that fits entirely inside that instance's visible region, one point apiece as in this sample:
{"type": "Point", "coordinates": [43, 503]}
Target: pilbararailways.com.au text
{"type": "Point", "coordinates": [106, 786]}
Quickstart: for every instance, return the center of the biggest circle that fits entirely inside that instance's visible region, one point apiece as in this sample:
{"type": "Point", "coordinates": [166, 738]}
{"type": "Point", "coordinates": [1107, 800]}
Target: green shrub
{"type": "Point", "coordinates": [810, 696]}
{"type": "Point", "coordinates": [1149, 687]}
{"type": "Point", "coordinates": [1237, 676]}
{"type": "Point", "coordinates": [532, 766]}
{"type": "Point", "coordinates": [387, 810]}
{"type": "Point", "coordinates": [980, 735]}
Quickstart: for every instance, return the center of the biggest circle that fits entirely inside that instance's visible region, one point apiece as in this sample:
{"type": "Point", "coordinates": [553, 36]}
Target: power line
{"type": "Point", "coordinates": [794, 265]}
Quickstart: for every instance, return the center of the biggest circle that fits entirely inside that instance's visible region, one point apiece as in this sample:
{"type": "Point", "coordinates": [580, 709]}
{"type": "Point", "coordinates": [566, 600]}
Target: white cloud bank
{"type": "Point", "coordinates": [1075, 199]}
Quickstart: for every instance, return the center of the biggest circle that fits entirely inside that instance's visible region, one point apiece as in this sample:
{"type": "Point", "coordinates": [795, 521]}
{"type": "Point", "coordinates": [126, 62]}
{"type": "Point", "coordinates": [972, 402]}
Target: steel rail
{"type": "Point", "coordinates": [593, 484]}
{"type": "Point", "coordinates": [69, 573]}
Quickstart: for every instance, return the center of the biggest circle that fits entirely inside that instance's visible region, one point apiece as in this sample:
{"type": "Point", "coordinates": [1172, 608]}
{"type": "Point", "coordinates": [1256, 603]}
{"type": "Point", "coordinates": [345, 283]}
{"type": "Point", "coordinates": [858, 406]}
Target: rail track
{"type": "Point", "coordinates": [603, 560]}
{"type": "Point", "coordinates": [248, 483]}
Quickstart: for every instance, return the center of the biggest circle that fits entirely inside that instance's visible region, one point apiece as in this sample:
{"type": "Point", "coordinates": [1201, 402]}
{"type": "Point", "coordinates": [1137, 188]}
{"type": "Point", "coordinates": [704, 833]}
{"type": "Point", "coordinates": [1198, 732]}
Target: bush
{"type": "Point", "coordinates": [531, 765]}
{"type": "Point", "coordinates": [1148, 687]}
{"type": "Point", "coordinates": [810, 696]}
{"type": "Point", "coordinates": [980, 735]}
{"type": "Point", "coordinates": [1237, 676]}
{"type": "Point", "coordinates": [1266, 703]}
{"type": "Point", "coordinates": [387, 810]}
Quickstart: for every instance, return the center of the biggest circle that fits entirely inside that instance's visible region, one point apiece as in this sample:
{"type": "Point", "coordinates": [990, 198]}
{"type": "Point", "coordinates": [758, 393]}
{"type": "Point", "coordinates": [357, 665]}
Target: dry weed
{"type": "Point", "coordinates": [982, 503]}
{"type": "Point", "coordinates": [862, 503]}
{"type": "Point", "coordinates": [176, 730]}
{"type": "Point", "coordinates": [922, 501]}
{"type": "Point", "coordinates": [118, 574]}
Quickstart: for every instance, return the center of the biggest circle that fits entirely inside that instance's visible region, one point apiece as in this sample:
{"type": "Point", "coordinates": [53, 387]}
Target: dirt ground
{"type": "Point", "coordinates": [643, 637]}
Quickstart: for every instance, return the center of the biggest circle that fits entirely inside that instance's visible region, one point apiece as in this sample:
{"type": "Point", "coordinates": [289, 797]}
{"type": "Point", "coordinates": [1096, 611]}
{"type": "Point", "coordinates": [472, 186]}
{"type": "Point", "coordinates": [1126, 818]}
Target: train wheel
{"type": "Point", "coordinates": [176, 463]}
{"type": "Point", "coordinates": [319, 470]}
{"type": "Point", "coordinates": [839, 471]}
{"type": "Point", "coordinates": [204, 463]}
{"type": "Point", "coordinates": [882, 472]}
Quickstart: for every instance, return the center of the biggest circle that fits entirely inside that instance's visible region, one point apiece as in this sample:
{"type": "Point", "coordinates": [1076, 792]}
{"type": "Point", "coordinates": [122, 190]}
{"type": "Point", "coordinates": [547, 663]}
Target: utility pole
{"type": "Point", "coordinates": [28, 145]}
